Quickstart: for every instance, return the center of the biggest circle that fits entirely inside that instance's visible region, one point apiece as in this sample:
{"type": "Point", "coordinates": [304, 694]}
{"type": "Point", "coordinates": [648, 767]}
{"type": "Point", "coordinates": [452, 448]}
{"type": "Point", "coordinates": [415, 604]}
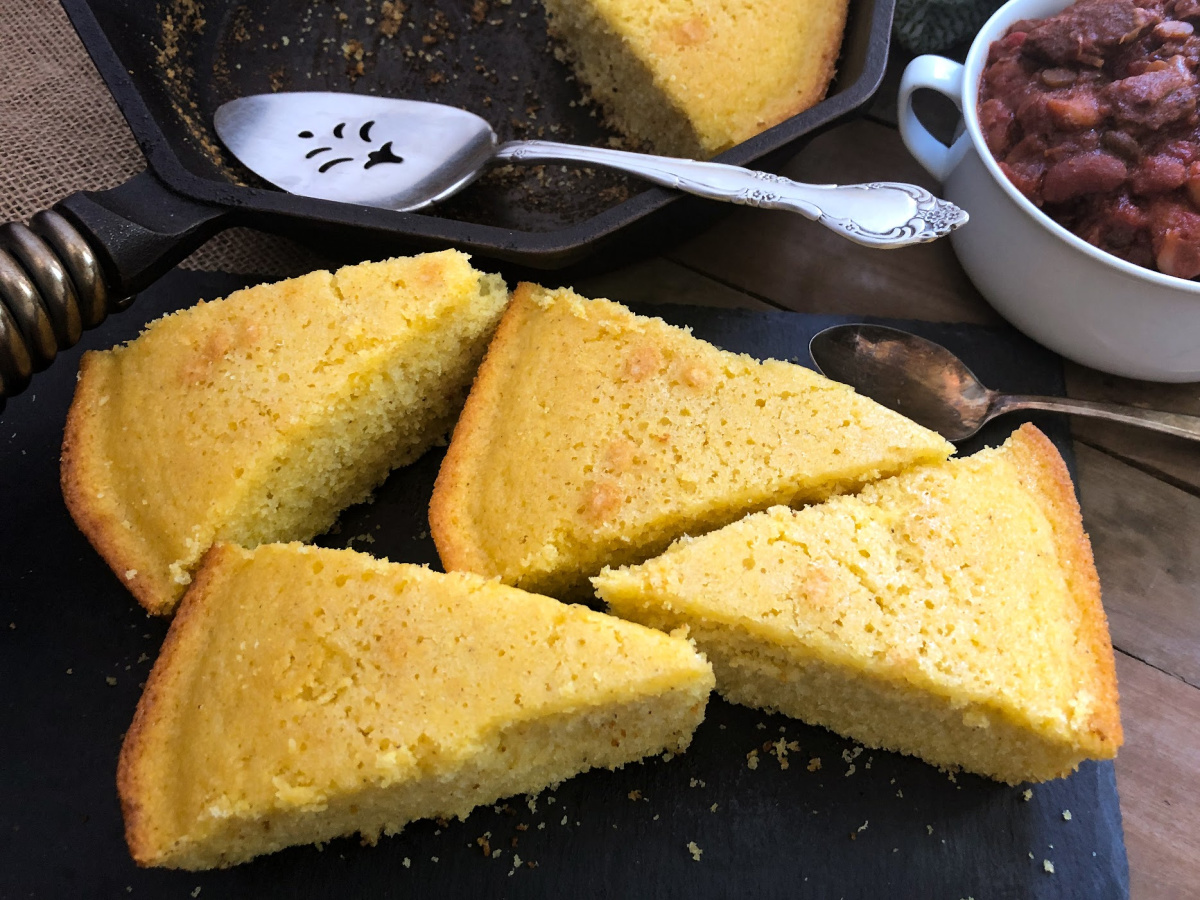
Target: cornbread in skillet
{"type": "Point", "coordinates": [259, 417]}
{"type": "Point", "coordinates": [952, 613]}
{"type": "Point", "coordinates": [694, 77]}
{"type": "Point", "coordinates": [305, 693]}
{"type": "Point", "coordinates": [593, 437]}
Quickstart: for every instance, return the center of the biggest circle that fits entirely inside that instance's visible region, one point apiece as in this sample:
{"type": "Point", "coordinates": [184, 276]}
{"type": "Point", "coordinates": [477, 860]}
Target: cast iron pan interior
{"type": "Point", "coordinates": [171, 65]}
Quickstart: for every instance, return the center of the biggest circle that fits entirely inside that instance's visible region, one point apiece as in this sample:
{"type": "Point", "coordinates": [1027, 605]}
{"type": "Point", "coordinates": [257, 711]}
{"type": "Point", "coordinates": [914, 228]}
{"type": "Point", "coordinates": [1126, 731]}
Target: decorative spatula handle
{"type": "Point", "coordinates": [882, 214]}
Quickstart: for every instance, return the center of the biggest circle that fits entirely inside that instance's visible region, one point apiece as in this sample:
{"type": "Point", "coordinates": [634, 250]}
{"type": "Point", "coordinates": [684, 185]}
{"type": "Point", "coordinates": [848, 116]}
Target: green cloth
{"type": "Point", "coordinates": [932, 26]}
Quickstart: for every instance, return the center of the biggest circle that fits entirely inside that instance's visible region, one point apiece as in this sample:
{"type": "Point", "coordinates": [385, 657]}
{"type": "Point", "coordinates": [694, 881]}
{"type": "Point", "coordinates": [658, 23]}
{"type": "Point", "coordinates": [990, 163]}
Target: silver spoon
{"type": "Point", "coordinates": [408, 154]}
{"type": "Point", "coordinates": [930, 385]}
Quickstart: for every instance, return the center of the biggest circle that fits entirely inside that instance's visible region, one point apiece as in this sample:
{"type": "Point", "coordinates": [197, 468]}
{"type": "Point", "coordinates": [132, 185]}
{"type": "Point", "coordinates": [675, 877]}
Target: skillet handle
{"type": "Point", "coordinates": [83, 259]}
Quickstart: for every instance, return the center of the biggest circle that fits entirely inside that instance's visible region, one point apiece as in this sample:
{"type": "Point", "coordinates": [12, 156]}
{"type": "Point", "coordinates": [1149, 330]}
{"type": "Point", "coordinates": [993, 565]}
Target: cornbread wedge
{"type": "Point", "coordinates": [694, 77]}
{"type": "Point", "coordinates": [305, 693]}
{"type": "Point", "coordinates": [593, 436]}
{"type": "Point", "coordinates": [952, 613]}
{"type": "Point", "coordinates": [259, 417]}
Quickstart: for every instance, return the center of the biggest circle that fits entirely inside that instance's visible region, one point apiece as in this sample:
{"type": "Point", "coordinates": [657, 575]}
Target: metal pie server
{"type": "Point", "coordinates": [408, 154]}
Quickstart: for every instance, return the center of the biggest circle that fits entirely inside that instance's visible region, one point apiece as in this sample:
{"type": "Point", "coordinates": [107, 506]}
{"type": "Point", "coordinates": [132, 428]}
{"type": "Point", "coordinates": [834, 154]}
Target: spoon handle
{"type": "Point", "coordinates": [881, 214]}
{"type": "Point", "coordinates": [1178, 424]}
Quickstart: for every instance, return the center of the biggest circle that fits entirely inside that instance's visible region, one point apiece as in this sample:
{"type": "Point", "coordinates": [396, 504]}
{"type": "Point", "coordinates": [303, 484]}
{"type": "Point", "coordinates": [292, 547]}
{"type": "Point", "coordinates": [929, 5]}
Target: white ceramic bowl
{"type": "Point", "coordinates": [1085, 304]}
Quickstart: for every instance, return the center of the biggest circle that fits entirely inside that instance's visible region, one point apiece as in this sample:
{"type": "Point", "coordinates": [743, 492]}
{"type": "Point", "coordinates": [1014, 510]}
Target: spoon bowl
{"type": "Point", "coordinates": [917, 378]}
{"type": "Point", "coordinates": [930, 385]}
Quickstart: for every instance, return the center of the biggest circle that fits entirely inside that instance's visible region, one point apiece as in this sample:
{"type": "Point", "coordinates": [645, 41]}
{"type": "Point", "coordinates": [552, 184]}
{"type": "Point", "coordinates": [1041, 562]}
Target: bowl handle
{"type": "Point", "coordinates": [946, 77]}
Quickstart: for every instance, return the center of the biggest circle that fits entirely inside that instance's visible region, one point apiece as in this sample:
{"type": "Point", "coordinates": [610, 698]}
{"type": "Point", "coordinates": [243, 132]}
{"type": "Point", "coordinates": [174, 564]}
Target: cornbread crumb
{"type": "Point", "coordinates": [712, 808]}
{"type": "Point", "coordinates": [1048, 866]}
{"type": "Point", "coordinates": [273, 409]}
{"type": "Point", "coordinates": [1067, 815]}
{"type": "Point", "coordinates": [407, 862]}
{"type": "Point", "coordinates": [695, 79]}
{"type": "Point", "coordinates": [814, 764]}
{"type": "Point", "coordinates": [382, 693]}
{"type": "Point", "coordinates": [694, 850]}
{"type": "Point", "coordinates": [952, 612]}
{"type": "Point", "coordinates": [752, 759]}
{"type": "Point", "coordinates": [595, 450]}
{"type": "Point", "coordinates": [1027, 795]}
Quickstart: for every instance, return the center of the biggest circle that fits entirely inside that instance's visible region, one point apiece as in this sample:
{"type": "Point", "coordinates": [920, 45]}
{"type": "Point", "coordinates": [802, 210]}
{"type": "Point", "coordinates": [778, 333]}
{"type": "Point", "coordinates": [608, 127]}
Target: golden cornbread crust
{"type": "Point", "coordinates": [593, 436]}
{"type": "Point", "coordinates": [449, 525]}
{"type": "Point", "coordinates": [304, 694]}
{"type": "Point", "coordinates": [142, 833]}
{"type": "Point", "coordinates": [951, 612]}
{"type": "Point", "coordinates": [693, 78]}
{"type": "Point", "coordinates": [80, 471]}
{"type": "Point", "coordinates": [1045, 475]}
{"type": "Point", "coordinates": [259, 417]}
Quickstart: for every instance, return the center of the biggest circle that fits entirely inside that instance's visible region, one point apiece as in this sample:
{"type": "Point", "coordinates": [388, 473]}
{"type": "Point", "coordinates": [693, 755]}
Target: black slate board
{"type": "Point", "coordinates": [74, 650]}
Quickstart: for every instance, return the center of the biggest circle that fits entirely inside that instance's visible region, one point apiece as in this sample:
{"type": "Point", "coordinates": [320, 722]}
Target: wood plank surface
{"type": "Point", "coordinates": [1144, 539]}
{"type": "Point", "coordinates": [1158, 778]}
{"type": "Point", "coordinates": [790, 262]}
{"type": "Point", "coordinates": [1175, 459]}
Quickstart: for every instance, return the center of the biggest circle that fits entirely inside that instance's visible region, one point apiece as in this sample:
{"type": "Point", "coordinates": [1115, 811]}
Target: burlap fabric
{"type": "Point", "coordinates": [60, 132]}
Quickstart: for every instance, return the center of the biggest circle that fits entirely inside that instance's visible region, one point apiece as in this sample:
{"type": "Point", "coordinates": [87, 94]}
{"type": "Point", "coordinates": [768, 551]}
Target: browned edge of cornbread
{"type": "Point", "coordinates": [185, 638]}
{"type": "Point", "coordinates": [613, 118]}
{"type": "Point", "coordinates": [1043, 472]}
{"type": "Point", "coordinates": [100, 519]}
{"type": "Point", "coordinates": [449, 524]}
{"type": "Point", "coordinates": [817, 91]}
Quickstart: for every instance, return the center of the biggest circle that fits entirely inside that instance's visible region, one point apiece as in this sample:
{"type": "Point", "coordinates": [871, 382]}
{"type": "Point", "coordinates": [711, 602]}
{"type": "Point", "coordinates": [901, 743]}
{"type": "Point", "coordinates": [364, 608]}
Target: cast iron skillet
{"type": "Point", "coordinates": [170, 65]}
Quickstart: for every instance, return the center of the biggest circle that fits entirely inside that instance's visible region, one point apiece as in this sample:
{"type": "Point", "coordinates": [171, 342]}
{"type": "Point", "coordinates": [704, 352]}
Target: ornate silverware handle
{"type": "Point", "coordinates": [882, 214]}
{"type": "Point", "coordinates": [1178, 424]}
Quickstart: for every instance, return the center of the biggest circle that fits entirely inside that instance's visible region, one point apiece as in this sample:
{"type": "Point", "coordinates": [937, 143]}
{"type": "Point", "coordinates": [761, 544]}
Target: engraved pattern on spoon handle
{"type": "Point", "coordinates": [896, 215]}
{"type": "Point", "coordinates": [1177, 424]}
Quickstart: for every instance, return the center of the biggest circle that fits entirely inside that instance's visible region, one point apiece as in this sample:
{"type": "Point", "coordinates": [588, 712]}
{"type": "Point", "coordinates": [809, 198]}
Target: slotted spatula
{"type": "Point", "coordinates": [407, 154]}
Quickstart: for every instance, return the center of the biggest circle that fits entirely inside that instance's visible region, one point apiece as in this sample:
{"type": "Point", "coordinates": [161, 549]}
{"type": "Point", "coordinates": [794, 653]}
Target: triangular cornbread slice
{"type": "Point", "coordinates": [952, 612]}
{"type": "Point", "coordinates": [594, 436]}
{"type": "Point", "coordinates": [259, 417]}
{"type": "Point", "coordinates": [304, 693]}
{"type": "Point", "coordinates": [695, 77]}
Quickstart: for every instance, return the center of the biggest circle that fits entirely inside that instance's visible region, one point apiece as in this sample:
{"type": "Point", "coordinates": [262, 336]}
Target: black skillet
{"type": "Point", "coordinates": [170, 65]}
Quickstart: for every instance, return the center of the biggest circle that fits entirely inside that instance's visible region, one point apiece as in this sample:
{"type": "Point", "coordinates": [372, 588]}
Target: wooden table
{"type": "Point", "coordinates": [1140, 492]}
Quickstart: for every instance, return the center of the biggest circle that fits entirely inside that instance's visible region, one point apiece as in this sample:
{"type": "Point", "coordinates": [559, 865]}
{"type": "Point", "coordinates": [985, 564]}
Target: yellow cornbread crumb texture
{"type": "Point", "coordinates": [695, 77]}
{"type": "Point", "coordinates": [259, 417]}
{"type": "Point", "coordinates": [593, 436]}
{"type": "Point", "coordinates": [305, 693]}
{"type": "Point", "coordinates": [952, 612]}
